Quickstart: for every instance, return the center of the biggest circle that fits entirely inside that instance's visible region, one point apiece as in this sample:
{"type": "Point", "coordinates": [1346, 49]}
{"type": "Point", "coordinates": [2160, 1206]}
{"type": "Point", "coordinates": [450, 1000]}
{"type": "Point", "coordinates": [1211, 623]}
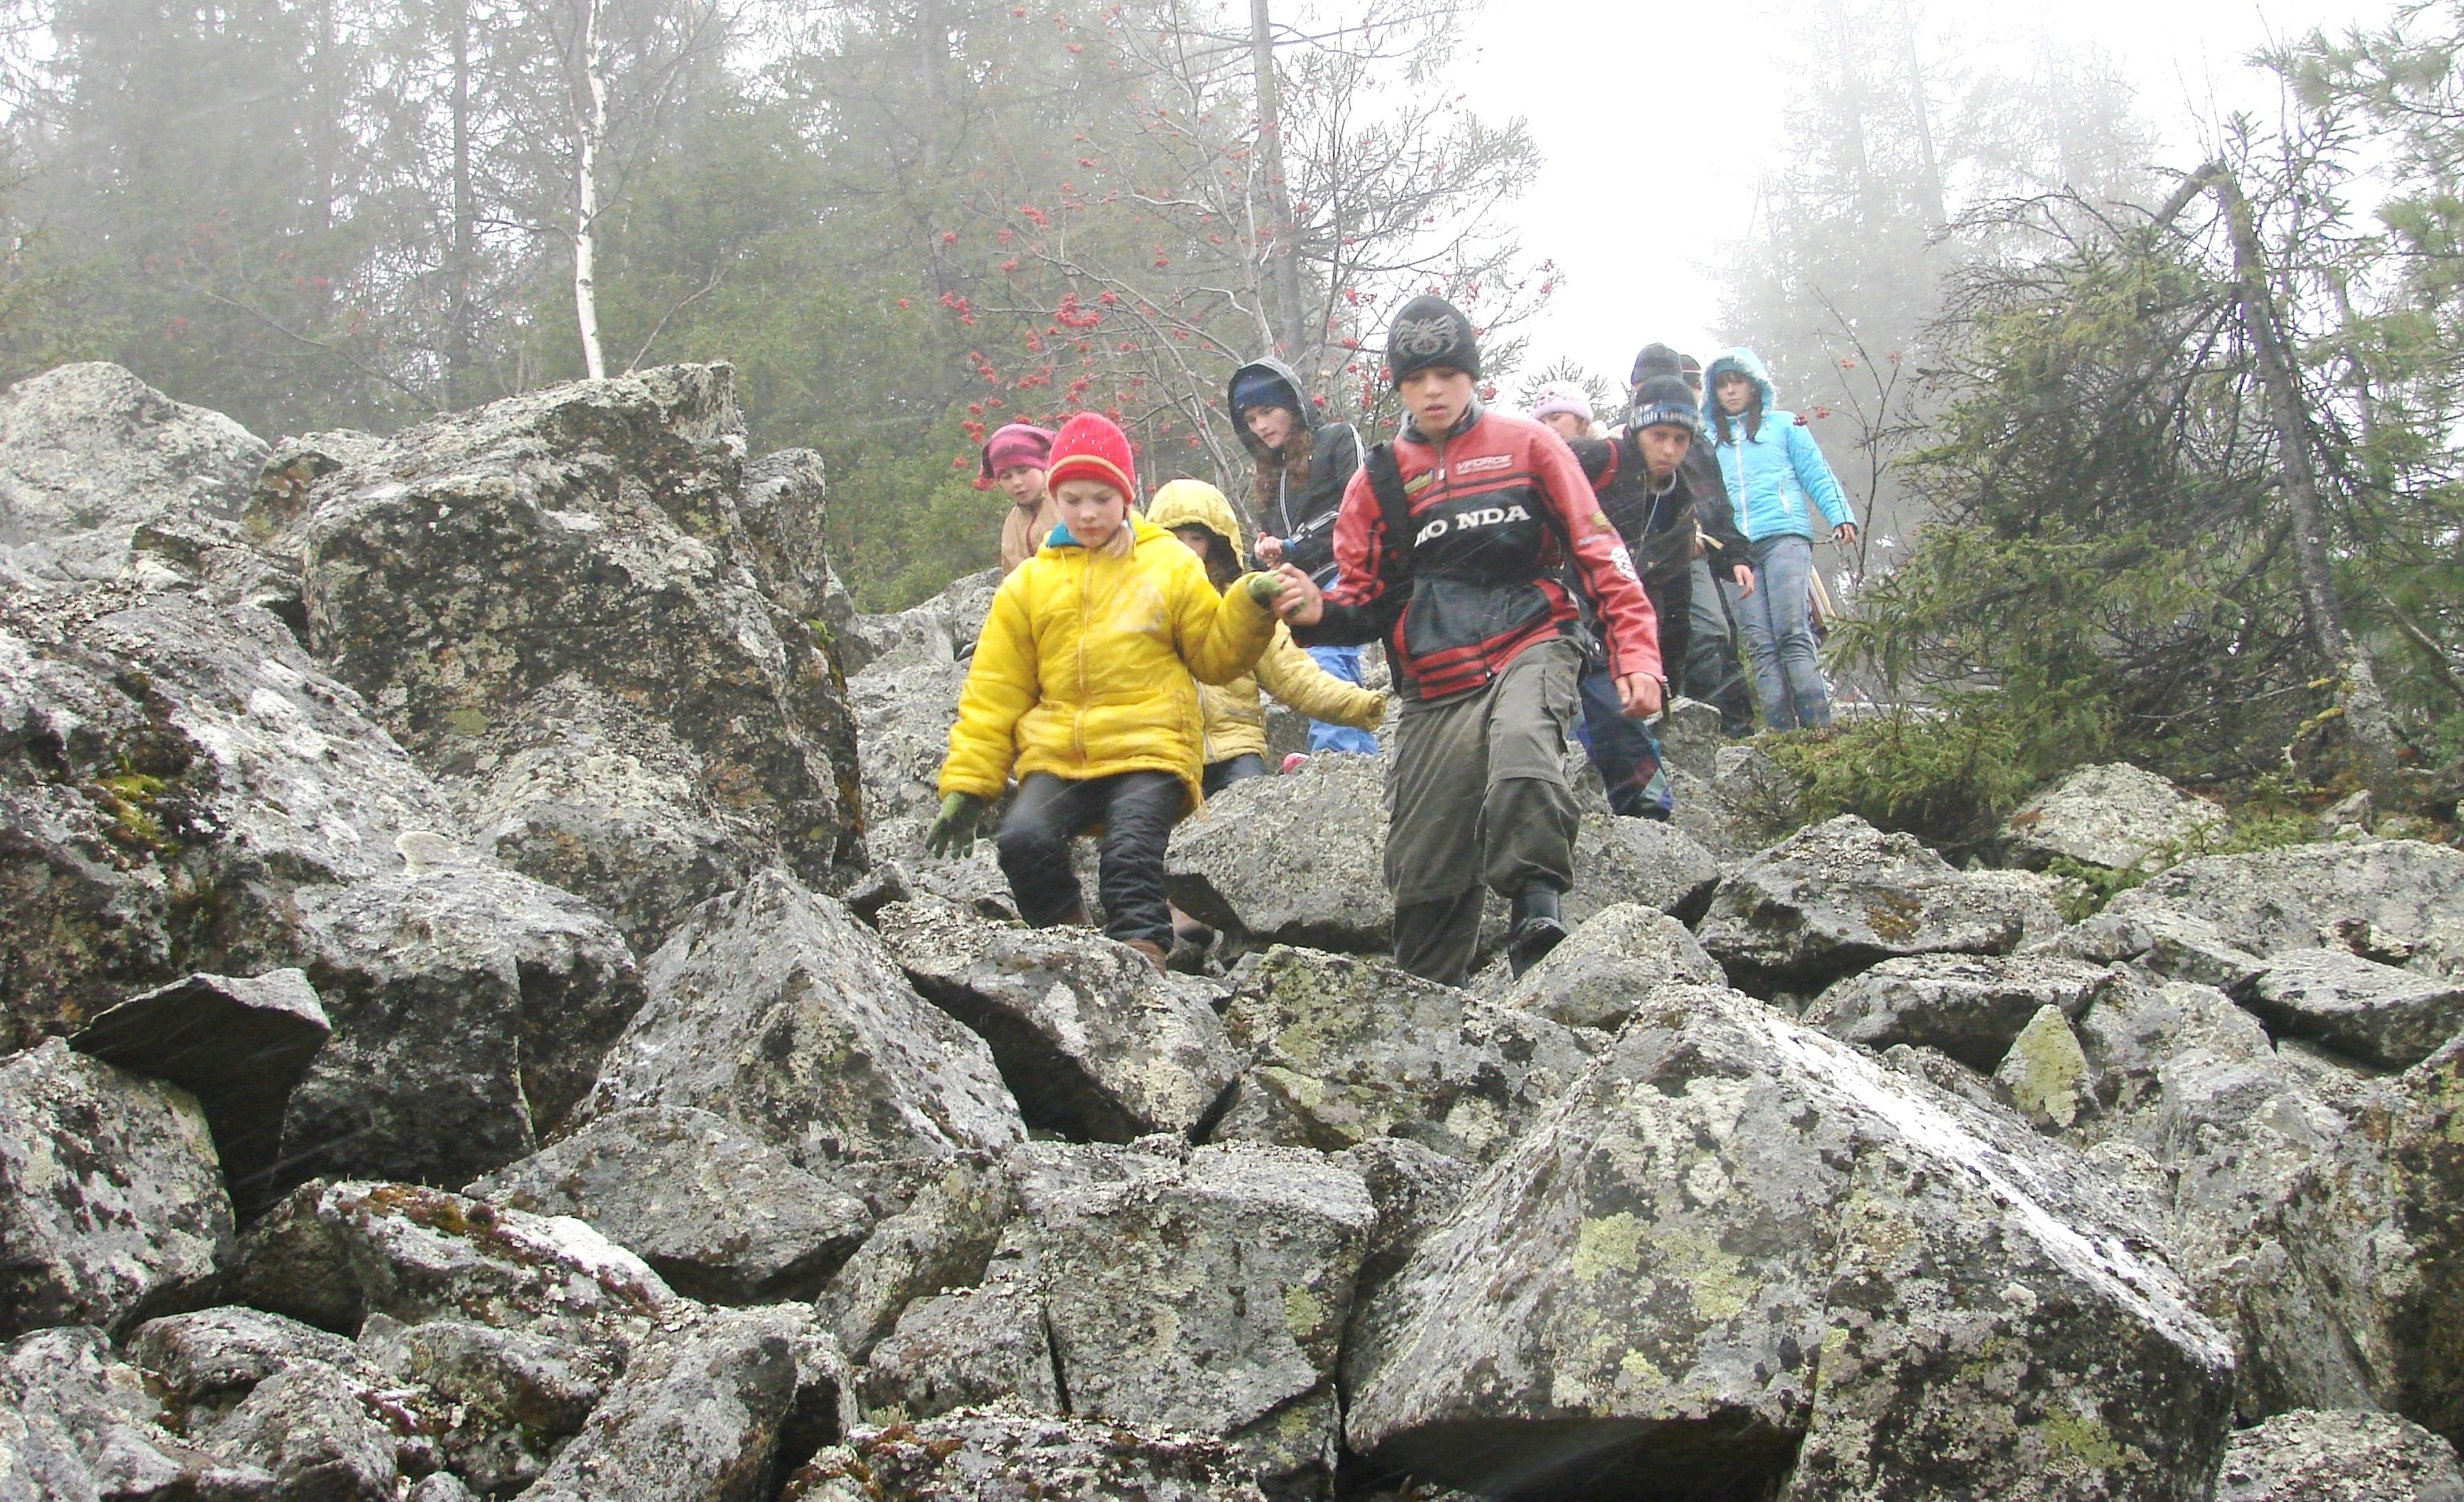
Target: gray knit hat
{"type": "Point", "coordinates": [1430, 331]}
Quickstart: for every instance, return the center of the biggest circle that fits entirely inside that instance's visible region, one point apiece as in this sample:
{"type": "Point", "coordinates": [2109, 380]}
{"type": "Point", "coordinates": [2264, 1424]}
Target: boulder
{"type": "Point", "coordinates": [945, 1238]}
{"type": "Point", "coordinates": [185, 791]}
{"type": "Point", "coordinates": [88, 453]}
{"type": "Point", "coordinates": [1093, 1043]}
{"type": "Point", "coordinates": [1743, 1255]}
{"type": "Point", "coordinates": [1415, 1189]}
{"type": "Point", "coordinates": [499, 1402]}
{"type": "Point", "coordinates": [76, 1423]}
{"type": "Point", "coordinates": [1348, 1048]}
{"type": "Point", "coordinates": [2378, 1013]}
{"type": "Point", "coordinates": [207, 1359]}
{"type": "Point", "coordinates": [2399, 902]}
{"type": "Point", "coordinates": [719, 1216]}
{"type": "Point", "coordinates": [965, 1349]}
{"type": "Point", "coordinates": [1206, 1293]}
{"type": "Point", "coordinates": [1297, 859]}
{"type": "Point", "coordinates": [2045, 1076]}
{"type": "Point", "coordinates": [903, 712]}
{"type": "Point", "coordinates": [784, 510]}
{"type": "Point", "coordinates": [942, 629]}
{"type": "Point", "coordinates": [1605, 969]}
{"type": "Point", "coordinates": [237, 1044]}
{"type": "Point", "coordinates": [1969, 1007]}
{"type": "Point", "coordinates": [2308, 1456]}
{"type": "Point", "coordinates": [1641, 862]}
{"type": "Point", "coordinates": [554, 599]}
{"type": "Point", "coordinates": [1840, 895]}
{"type": "Point", "coordinates": [332, 1255]}
{"type": "Point", "coordinates": [776, 1009]}
{"type": "Point", "coordinates": [701, 1412]}
{"type": "Point", "coordinates": [110, 1198]}
{"type": "Point", "coordinates": [308, 1426]}
{"type": "Point", "coordinates": [470, 1008]}
{"type": "Point", "coordinates": [2115, 815]}
{"type": "Point", "coordinates": [994, 1456]}
{"type": "Point", "coordinates": [2163, 944]}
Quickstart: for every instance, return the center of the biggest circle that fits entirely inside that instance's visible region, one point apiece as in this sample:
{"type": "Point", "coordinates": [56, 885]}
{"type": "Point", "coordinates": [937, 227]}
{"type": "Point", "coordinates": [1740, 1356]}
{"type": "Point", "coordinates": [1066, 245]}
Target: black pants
{"type": "Point", "coordinates": [1671, 591]}
{"type": "Point", "coordinates": [1222, 774]}
{"type": "Point", "coordinates": [1138, 810]}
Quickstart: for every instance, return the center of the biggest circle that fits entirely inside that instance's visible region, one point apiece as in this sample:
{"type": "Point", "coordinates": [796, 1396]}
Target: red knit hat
{"type": "Point", "coordinates": [1091, 447]}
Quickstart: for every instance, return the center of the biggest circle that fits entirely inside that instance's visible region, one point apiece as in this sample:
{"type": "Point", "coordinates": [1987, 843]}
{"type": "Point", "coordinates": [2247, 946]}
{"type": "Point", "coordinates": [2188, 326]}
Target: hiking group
{"type": "Point", "coordinates": [1532, 582]}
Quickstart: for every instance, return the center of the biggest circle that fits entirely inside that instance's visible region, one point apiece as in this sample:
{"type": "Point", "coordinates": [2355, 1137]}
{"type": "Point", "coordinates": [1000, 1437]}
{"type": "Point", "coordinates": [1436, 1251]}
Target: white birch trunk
{"type": "Point", "coordinates": [591, 117]}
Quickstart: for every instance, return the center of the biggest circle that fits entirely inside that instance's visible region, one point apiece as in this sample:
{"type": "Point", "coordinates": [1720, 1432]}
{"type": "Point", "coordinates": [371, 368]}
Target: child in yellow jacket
{"type": "Point", "coordinates": [1081, 685]}
{"type": "Point", "coordinates": [1235, 720]}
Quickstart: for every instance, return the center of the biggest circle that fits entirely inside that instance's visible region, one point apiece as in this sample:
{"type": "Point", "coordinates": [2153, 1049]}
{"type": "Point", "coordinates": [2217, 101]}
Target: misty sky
{"type": "Point", "coordinates": [1655, 120]}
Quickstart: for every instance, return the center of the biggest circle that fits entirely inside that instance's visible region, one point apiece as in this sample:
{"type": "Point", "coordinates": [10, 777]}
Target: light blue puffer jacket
{"type": "Point", "coordinates": [1770, 475]}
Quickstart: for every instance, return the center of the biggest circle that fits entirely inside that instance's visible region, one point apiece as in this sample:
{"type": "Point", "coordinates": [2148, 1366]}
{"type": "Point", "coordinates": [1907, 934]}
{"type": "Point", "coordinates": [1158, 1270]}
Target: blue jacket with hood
{"type": "Point", "coordinates": [1769, 475]}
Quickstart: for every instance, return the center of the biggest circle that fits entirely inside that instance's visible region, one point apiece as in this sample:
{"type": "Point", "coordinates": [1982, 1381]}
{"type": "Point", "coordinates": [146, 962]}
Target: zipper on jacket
{"type": "Point", "coordinates": [1086, 622]}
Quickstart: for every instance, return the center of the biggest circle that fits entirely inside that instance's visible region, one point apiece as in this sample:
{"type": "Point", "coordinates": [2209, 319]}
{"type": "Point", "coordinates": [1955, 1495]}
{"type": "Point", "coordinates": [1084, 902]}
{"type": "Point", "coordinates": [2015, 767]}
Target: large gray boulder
{"type": "Point", "coordinates": [965, 1349]}
{"type": "Point", "coordinates": [1205, 1294]}
{"type": "Point", "coordinates": [308, 1424]}
{"type": "Point", "coordinates": [1348, 1049]}
{"type": "Point", "coordinates": [1000, 1454]}
{"type": "Point", "coordinates": [334, 1254]}
{"type": "Point", "coordinates": [942, 629]}
{"type": "Point", "coordinates": [78, 1423]}
{"type": "Point", "coordinates": [89, 453]}
{"type": "Point", "coordinates": [2309, 1456]}
{"type": "Point", "coordinates": [555, 601]}
{"type": "Point", "coordinates": [945, 1237]}
{"type": "Point", "coordinates": [185, 791]}
{"type": "Point", "coordinates": [720, 1216]}
{"type": "Point", "coordinates": [2378, 1013]}
{"type": "Point", "coordinates": [903, 712]}
{"type": "Point", "coordinates": [774, 1007]}
{"type": "Point", "coordinates": [1837, 897]}
{"type": "Point", "coordinates": [499, 1403]}
{"type": "Point", "coordinates": [1609, 966]}
{"type": "Point", "coordinates": [238, 1044]}
{"type": "Point", "coordinates": [1095, 1044]}
{"type": "Point", "coordinates": [1296, 860]}
{"type": "Point", "coordinates": [1743, 1255]}
{"type": "Point", "coordinates": [110, 1197]}
{"type": "Point", "coordinates": [2399, 902]}
{"type": "Point", "coordinates": [1969, 1007]}
{"type": "Point", "coordinates": [701, 1412]}
{"type": "Point", "coordinates": [2115, 815]}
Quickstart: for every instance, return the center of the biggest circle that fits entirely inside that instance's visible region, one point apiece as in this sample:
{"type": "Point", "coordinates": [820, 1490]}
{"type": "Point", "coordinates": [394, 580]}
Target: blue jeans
{"type": "Point", "coordinates": [1623, 749]}
{"type": "Point", "coordinates": [1344, 662]}
{"type": "Point", "coordinates": [1779, 635]}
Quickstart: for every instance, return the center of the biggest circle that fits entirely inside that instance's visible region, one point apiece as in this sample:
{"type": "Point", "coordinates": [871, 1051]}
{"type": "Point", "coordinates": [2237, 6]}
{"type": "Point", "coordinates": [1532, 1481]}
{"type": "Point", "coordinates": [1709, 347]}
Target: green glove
{"type": "Point", "coordinates": [1264, 587]}
{"type": "Point", "coordinates": [953, 833]}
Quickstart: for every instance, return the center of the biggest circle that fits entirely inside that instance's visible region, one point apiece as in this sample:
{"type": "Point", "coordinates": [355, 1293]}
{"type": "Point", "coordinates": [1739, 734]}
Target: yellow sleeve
{"type": "Point", "coordinates": [1287, 673]}
{"type": "Point", "coordinates": [1001, 686]}
{"type": "Point", "coordinates": [1221, 635]}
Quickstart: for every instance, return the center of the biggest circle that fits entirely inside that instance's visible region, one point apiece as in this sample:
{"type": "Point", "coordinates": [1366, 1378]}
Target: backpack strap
{"type": "Point", "coordinates": [1393, 509]}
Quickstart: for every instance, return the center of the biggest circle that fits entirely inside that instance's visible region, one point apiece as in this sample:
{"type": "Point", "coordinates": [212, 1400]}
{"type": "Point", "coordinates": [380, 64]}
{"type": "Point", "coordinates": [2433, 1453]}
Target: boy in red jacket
{"type": "Point", "coordinates": [1461, 569]}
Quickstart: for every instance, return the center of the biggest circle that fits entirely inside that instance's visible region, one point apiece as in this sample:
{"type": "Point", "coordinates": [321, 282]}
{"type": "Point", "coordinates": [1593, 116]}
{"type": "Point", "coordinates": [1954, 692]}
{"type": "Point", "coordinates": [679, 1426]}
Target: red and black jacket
{"type": "Point", "coordinates": [1653, 520]}
{"type": "Point", "coordinates": [1496, 506]}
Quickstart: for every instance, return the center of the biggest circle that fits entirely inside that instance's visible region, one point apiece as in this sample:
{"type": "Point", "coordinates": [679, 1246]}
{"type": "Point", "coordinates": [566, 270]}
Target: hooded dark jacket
{"type": "Point", "coordinates": [1654, 522]}
{"type": "Point", "coordinates": [1299, 489]}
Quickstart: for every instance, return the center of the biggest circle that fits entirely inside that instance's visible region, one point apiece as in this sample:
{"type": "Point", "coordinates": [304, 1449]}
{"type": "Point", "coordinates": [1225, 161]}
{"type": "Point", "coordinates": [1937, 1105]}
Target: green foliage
{"type": "Point", "coordinates": [1947, 775]}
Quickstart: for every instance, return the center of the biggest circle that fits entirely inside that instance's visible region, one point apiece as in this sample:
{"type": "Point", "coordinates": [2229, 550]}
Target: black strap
{"type": "Point", "coordinates": [1393, 509]}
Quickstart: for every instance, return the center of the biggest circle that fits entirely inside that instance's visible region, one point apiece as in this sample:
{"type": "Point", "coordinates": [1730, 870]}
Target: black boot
{"type": "Point", "coordinates": [1537, 927]}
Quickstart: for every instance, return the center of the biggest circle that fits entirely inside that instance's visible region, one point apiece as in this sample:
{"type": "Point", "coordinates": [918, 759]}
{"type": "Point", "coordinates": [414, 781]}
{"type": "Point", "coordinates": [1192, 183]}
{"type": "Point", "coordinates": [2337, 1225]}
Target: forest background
{"type": "Point", "coordinates": [2159, 437]}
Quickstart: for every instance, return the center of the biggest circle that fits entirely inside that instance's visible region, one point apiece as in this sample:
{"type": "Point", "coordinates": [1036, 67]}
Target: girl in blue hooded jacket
{"type": "Point", "coordinates": [1772, 467]}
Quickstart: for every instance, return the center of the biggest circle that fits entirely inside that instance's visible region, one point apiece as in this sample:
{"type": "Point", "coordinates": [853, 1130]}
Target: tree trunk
{"type": "Point", "coordinates": [1852, 115]}
{"type": "Point", "coordinates": [591, 118]}
{"type": "Point", "coordinates": [2365, 706]}
{"type": "Point", "coordinates": [1929, 164]}
{"type": "Point", "coordinates": [932, 46]}
{"type": "Point", "coordinates": [1282, 267]}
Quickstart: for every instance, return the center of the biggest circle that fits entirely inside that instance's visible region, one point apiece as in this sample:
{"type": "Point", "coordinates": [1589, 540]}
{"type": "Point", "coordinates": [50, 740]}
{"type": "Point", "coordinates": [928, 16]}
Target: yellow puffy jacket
{"type": "Point", "coordinates": [1235, 719]}
{"type": "Point", "coordinates": [1083, 669]}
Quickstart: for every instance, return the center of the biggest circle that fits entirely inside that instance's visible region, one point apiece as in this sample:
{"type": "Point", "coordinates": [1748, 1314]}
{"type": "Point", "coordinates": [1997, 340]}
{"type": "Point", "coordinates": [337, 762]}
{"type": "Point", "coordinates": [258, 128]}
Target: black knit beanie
{"type": "Point", "coordinates": [1431, 330]}
{"type": "Point", "coordinates": [1656, 359]}
{"type": "Point", "coordinates": [1664, 400]}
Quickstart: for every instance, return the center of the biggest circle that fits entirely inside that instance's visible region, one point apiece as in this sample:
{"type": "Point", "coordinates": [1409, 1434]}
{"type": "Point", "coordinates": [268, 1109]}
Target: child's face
{"type": "Point", "coordinates": [1664, 446]}
{"type": "Point", "coordinates": [1022, 484]}
{"type": "Point", "coordinates": [1271, 425]}
{"type": "Point", "coordinates": [1092, 510]}
{"type": "Point", "coordinates": [1436, 398]}
{"type": "Point", "coordinates": [1569, 426]}
{"type": "Point", "coordinates": [1735, 391]}
{"type": "Point", "coordinates": [1198, 539]}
